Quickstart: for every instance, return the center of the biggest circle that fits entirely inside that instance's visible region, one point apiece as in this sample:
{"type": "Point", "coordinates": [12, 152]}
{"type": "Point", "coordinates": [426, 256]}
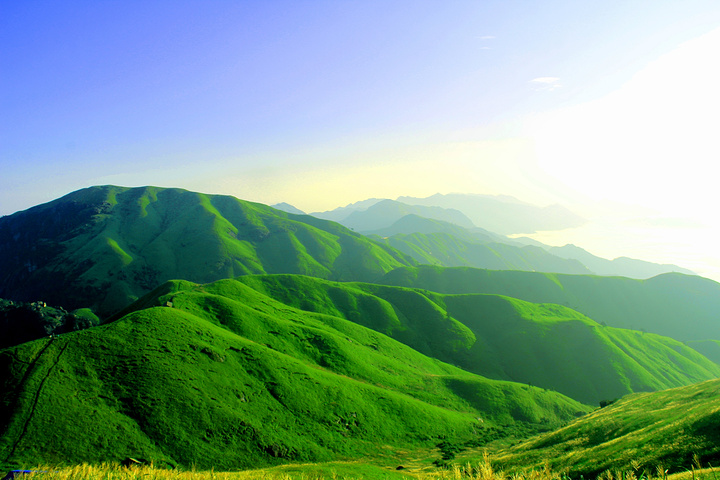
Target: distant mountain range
{"type": "Point", "coordinates": [412, 227]}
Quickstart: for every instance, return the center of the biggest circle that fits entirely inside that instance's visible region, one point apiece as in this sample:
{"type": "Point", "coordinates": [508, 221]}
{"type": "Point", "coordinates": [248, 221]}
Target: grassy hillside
{"type": "Point", "coordinates": [545, 345]}
{"type": "Point", "coordinates": [103, 247]}
{"type": "Point", "coordinates": [637, 433]}
{"type": "Point", "coordinates": [448, 251]}
{"type": "Point", "coordinates": [222, 376]}
{"type": "Point", "coordinates": [683, 307]}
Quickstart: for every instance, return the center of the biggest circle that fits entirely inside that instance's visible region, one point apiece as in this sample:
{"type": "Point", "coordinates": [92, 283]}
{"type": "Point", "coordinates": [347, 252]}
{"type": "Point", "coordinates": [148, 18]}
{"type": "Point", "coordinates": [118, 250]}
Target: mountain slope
{"type": "Point", "coordinates": [223, 376]}
{"type": "Point", "coordinates": [103, 247]}
{"type": "Point", "coordinates": [639, 433]}
{"type": "Point", "coordinates": [448, 251]}
{"type": "Point", "coordinates": [386, 212]}
{"type": "Point", "coordinates": [683, 307]}
{"type": "Point", "coordinates": [504, 338]}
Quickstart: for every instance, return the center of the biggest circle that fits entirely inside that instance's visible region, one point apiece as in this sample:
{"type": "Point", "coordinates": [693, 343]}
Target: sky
{"type": "Point", "coordinates": [609, 108]}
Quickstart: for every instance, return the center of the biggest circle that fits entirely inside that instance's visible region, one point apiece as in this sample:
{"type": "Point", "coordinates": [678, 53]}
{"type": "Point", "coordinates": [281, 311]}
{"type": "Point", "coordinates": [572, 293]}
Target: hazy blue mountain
{"type": "Point", "coordinates": [502, 214]}
{"type": "Point", "coordinates": [413, 223]}
{"type": "Point", "coordinates": [341, 213]}
{"type": "Point", "coordinates": [386, 212]}
{"type": "Point", "coordinates": [621, 266]}
{"type": "Point", "coordinates": [286, 207]}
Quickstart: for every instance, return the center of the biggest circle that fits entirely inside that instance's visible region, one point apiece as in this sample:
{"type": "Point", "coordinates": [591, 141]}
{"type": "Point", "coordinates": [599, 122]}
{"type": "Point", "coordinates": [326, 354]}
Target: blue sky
{"type": "Point", "coordinates": [322, 103]}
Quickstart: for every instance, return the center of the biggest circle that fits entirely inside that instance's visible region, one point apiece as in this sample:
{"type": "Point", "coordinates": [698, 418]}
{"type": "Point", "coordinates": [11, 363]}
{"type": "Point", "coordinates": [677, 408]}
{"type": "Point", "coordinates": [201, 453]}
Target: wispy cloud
{"type": "Point", "coordinates": [546, 83]}
{"type": "Point", "coordinates": [487, 37]}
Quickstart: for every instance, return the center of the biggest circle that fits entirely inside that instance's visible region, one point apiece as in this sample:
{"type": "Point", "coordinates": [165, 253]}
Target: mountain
{"type": "Point", "coordinates": [412, 223]}
{"type": "Point", "coordinates": [286, 207]}
{"type": "Point", "coordinates": [621, 266]}
{"type": "Point", "coordinates": [673, 430]}
{"type": "Point", "coordinates": [222, 376]}
{"type": "Point", "coordinates": [341, 213]}
{"type": "Point", "coordinates": [103, 247]}
{"type": "Point", "coordinates": [503, 214]}
{"type": "Point", "coordinates": [684, 307]}
{"type": "Point", "coordinates": [549, 346]}
{"type": "Point", "coordinates": [386, 212]}
{"type": "Point", "coordinates": [375, 214]}
{"type": "Point", "coordinates": [448, 251]}
{"type": "Point", "coordinates": [435, 242]}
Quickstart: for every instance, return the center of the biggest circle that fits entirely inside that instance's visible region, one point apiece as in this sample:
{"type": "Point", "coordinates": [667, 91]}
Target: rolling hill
{"type": "Point", "coordinates": [549, 346]}
{"type": "Point", "coordinates": [670, 430]}
{"type": "Point", "coordinates": [103, 247]}
{"type": "Point", "coordinates": [684, 307]}
{"type": "Point", "coordinates": [223, 376]}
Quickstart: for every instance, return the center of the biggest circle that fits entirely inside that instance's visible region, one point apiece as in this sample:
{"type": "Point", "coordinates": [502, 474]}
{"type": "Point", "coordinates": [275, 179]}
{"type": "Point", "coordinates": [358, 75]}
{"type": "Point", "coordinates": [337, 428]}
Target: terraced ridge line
{"type": "Point", "coordinates": [24, 382]}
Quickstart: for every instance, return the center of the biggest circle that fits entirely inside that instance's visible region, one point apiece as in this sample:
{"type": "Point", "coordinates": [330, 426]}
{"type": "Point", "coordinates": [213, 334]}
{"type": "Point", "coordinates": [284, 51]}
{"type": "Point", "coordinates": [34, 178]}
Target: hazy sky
{"type": "Point", "coordinates": [323, 103]}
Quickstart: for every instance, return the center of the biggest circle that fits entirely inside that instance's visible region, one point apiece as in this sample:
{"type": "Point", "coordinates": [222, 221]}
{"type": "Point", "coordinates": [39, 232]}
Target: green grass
{"type": "Point", "coordinates": [671, 429]}
{"type": "Point", "coordinates": [227, 377]}
{"type": "Point", "coordinates": [654, 305]}
{"type": "Point", "coordinates": [545, 345]}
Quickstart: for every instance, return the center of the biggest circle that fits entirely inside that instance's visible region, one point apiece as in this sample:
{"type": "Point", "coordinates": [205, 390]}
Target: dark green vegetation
{"type": "Point", "coordinates": [546, 345]}
{"type": "Point", "coordinates": [637, 433]}
{"type": "Point", "coordinates": [223, 376]}
{"type": "Point", "coordinates": [103, 247]}
{"type": "Point", "coordinates": [21, 322]}
{"type": "Point", "coordinates": [683, 307]}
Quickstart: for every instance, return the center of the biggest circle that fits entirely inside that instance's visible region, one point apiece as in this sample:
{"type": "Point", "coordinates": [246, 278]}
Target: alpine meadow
{"type": "Point", "coordinates": [411, 240]}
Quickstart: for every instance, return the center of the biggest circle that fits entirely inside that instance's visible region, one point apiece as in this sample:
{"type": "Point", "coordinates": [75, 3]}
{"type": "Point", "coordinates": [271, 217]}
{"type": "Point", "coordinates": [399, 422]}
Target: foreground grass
{"type": "Point", "coordinates": [351, 470]}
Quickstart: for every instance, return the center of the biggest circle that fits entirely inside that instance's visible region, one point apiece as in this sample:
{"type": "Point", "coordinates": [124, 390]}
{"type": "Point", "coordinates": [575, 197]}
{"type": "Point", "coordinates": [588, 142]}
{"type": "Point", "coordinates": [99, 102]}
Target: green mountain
{"type": "Point", "coordinates": [222, 376]}
{"type": "Point", "coordinates": [683, 307]}
{"type": "Point", "coordinates": [103, 247]}
{"type": "Point", "coordinates": [448, 251]}
{"type": "Point", "coordinates": [669, 430]}
{"type": "Point", "coordinates": [549, 346]}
